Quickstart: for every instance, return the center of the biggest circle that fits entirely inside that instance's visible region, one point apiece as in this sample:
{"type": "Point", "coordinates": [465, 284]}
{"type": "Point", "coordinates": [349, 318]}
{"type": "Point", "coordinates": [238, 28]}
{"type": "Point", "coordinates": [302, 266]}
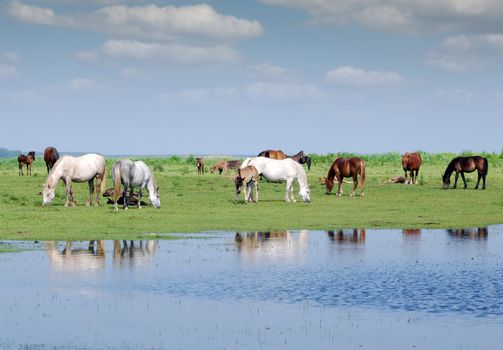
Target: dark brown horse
{"type": "Point", "coordinates": [273, 154]}
{"type": "Point", "coordinates": [462, 165]}
{"type": "Point", "coordinates": [28, 159]}
{"type": "Point", "coordinates": [306, 160]}
{"type": "Point", "coordinates": [411, 162]}
{"type": "Point", "coordinates": [200, 165]}
{"type": "Point", "coordinates": [51, 156]}
{"type": "Point", "coordinates": [346, 167]}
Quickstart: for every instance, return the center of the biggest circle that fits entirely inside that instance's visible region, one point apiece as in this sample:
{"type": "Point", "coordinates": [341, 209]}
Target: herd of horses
{"type": "Point", "coordinates": [273, 165]}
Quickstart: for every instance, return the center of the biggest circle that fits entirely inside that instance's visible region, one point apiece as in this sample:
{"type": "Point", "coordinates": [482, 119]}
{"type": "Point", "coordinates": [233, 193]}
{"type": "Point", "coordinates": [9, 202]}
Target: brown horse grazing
{"type": "Point", "coordinates": [225, 165]}
{"type": "Point", "coordinates": [51, 156]}
{"type": "Point", "coordinates": [248, 176]}
{"type": "Point", "coordinates": [28, 159]}
{"type": "Point", "coordinates": [346, 167]}
{"type": "Point", "coordinates": [462, 165]}
{"type": "Point", "coordinates": [200, 166]}
{"type": "Point", "coordinates": [411, 162]}
{"type": "Point", "coordinates": [273, 154]}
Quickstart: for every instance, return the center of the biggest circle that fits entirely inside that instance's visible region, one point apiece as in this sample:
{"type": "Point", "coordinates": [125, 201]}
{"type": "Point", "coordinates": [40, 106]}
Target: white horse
{"type": "Point", "coordinates": [76, 169]}
{"type": "Point", "coordinates": [282, 170]}
{"type": "Point", "coordinates": [130, 174]}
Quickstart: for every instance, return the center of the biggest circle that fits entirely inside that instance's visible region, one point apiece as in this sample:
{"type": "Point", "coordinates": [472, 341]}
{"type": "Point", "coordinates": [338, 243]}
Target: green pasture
{"type": "Point", "coordinates": [194, 203]}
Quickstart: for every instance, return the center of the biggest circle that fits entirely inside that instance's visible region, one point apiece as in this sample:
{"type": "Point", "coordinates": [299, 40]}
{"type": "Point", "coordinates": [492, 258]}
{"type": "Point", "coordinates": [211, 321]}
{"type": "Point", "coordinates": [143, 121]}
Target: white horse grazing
{"type": "Point", "coordinates": [130, 174]}
{"type": "Point", "coordinates": [76, 169]}
{"type": "Point", "coordinates": [282, 170]}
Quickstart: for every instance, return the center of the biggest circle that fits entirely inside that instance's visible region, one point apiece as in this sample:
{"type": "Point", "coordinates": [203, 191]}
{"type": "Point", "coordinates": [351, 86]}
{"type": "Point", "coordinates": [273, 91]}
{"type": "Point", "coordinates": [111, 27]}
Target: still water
{"type": "Point", "coordinates": [341, 289]}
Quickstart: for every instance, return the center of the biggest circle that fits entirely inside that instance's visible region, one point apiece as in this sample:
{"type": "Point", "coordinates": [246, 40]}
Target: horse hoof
{"type": "Point", "coordinates": [362, 195]}
{"type": "Point", "coordinates": [126, 208]}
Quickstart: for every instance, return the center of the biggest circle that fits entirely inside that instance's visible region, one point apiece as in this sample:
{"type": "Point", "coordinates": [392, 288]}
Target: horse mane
{"type": "Point", "coordinates": [450, 168]}
{"type": "Point", "coordinates": [331, 173]}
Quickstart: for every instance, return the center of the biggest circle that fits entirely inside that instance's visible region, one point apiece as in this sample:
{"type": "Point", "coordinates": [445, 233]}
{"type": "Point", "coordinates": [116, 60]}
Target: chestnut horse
{"type": "Point", "coordinates": [200, 166]}
{"type": "Point", "coordinates": [51, 156]}
{"type": "Point", "coordinates": [28, 159]}
{"type": "Point", "coordinates": [273, 154]}
{"type": "Point", "coordinates": [411, 162]}
{"type": "Point", "coordinates": [346, 167]}
{"type": "Point", "coordinates": [462, 165]}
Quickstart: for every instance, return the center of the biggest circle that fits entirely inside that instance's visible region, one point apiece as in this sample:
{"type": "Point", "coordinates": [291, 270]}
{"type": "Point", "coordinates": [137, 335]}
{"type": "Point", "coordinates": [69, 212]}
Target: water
{"type": "Point", "coordinates": [350, 289]}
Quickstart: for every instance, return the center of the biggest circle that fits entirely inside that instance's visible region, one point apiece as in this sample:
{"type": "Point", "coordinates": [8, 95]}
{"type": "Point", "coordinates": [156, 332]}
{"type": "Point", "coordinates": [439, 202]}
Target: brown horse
{"type": "Point", "coordinates": [28, 159]}
{"type": "Point", "coordinates": [411, 162]}
{"type": "Point", "coordinates": [51, 156]}
{"type": "Point", "coordinates": [273, 154]}
{"type": "Point", "coordinates": [346, 167]}
{"type": "Point", "coordinates": [462, 165]}
{"type": "Point", "coordinates": [225, 165]}
{"type": "Point", "coordinates": [200, 166]}
{"type": "Point", "coordinates": [248, 176]}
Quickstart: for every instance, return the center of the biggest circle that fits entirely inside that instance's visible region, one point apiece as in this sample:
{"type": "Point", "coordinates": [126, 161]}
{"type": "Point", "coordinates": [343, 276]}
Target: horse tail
{"type": "Point", "coordinates": [485, 166]}
{"type": "Point", "coordinates": [116, 175]}
{"type": "Point", "coordinates": [101, 186]}
{"type": "Point", "coordinates": [362, 174]}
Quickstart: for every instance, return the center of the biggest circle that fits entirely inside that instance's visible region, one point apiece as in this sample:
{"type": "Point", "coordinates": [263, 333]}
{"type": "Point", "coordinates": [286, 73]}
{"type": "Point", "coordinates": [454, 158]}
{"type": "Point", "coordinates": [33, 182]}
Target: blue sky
{"type": "Point", "coordinates": [237, 77]}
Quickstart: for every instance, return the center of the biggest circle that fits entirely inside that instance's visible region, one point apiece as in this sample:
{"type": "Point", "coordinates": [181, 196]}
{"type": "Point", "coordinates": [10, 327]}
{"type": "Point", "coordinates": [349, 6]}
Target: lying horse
{"type": "Point", "coordinates": [130, 174]}
{"type": "Point", "coordinates": [200, 166]}
{"type": "Point", "coordinates": [28, 160]}
{"type": "Point", "coordinates": [282, 170]}
{"type": "Point", "coordinates": [51, 156]}
{"type": "Point", "coordinates": [411, 162]}
{"type": "Point", "coordinates": [462, 165]}
{"type": "Point", "coordinates": [249, 176]}
{"type": "Point", "coordinates": [77, 169]}
{"type": "Point", "coordinates": [346, 167]}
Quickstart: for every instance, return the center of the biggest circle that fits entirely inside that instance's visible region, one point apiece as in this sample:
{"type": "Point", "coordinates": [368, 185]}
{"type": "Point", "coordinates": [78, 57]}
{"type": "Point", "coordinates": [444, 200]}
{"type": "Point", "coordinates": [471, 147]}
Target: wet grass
{"type": "Point", "coordinates": [193, 203]}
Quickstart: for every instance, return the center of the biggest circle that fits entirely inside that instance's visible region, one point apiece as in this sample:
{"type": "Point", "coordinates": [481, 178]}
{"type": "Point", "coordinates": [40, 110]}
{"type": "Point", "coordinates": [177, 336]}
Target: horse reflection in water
{"type": "Point", "coordinates": [347, 236]}
{"type": "Point", "coordinates": [480, 233]}
{"type": "Point", "coordinates": [76, 256]}
{"type": "Point", "coordinates": [136, 253]}
{"type": "Point", "coordinates": [272, 245]}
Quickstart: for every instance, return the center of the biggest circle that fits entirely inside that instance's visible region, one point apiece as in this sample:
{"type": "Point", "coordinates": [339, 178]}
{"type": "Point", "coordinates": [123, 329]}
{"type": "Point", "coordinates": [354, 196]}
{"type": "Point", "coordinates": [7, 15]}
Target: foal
{"type": "Point", "coordinates": [22, 159]}
{"type": "Point", "coordinates": [200, 166]}
{"type": "Point", "coordinates": [249, 176]}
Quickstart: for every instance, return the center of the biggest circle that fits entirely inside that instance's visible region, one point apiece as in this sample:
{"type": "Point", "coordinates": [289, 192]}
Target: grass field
{"type": "Point", "coordinates": [193, 203]}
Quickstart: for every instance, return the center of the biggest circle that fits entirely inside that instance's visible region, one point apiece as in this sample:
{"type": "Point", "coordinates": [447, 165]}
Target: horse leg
{"type": "Point", "coordinates": [464, 181]}
{"type": "Point", "coordinates": [21, 169]}
{"type": "Point", "coordinates": [478, 180]}
{"type": "Point", "coordinates": [124, 196]}
{"type": "Point", "coordinates": [99, 180]}
{"type": "Point", "coordinates": [339, 188]}
{"type": "Point", "coordinates": [456, 180]}
{"type": "Point", "coordinates": [89, 200]}
{"type": "Point", "coordinates": [256, 191]}
{"type": "Point", "coordinates": [484, 182]}
{"type": "Point", "coordinates": [355, 185]}
{"type": "Point", "coordinates": [139, 197]}
{"type": "Point", "coordinates": [415, 177]}
{"type": "Point", "coordinates": [248, 192]}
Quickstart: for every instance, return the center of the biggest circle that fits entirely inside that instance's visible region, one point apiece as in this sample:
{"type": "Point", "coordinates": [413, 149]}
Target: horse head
{"type": "Point", "coordinates": [238, 181]}
{"type": "Point", "coordinates": [329, 184]}
{"type": "Point", "coordinates": [305, 194]}
{"type": "Point", "coordinates": [446, 181]}
{"type": "Point", "coordinates": [48, 194]}
{"type": "Point", "coordinates": [32, 154]}
{"type": "Point", "coordinates": [154, 197]}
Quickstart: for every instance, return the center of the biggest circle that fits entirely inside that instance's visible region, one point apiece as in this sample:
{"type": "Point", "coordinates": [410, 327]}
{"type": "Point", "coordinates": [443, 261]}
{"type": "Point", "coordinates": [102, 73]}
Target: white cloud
{"type": "Point", "coordinates": [11, 56]}
{"type": "Point", "coordinates": [149, 22]}
{"type": "Point", "coordinates": [454, 94]}
{"type": "Point", "coordinates": [173, 52]}
{"type": "Point", "coordinates": [8, 71]}
{"type": "Point", "coordinates": [455, 62]}
{"type": "Point", "coordinates": [351, 76]}
{"type": "Point", "coordinates": [38, 15]}
{"type": "Point", "coordinates": [270, 70]}
{"type": "Point", "coordinates": [132, 72]}
{"type": "Point", "coordinates": [82, 84]}
{"type": "Point", "coordinates": [282, 91]}
{"type": "Point", "coordinates": [399, 15]}
{"type": "Point", "coordinates": [480, 43]}
{"type": "Point", "coordinates": [87, 55]}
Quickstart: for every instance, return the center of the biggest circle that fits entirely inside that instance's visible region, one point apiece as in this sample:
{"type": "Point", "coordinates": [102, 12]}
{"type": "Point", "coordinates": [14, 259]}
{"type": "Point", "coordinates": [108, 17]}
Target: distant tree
{"type": "Point", "coordinates": [5, 153]}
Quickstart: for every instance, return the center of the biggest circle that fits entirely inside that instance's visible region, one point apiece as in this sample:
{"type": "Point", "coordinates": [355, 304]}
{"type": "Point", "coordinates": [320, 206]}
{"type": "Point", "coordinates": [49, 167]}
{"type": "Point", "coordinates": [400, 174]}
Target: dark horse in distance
{"type": "Point", "coordinates": [51, 156]}
{"type": "Point", "coordinates": [346, 167]}
{"type": "Point", "coordinates": [462, 165]}
{"type": "Point", "coordinates": [28, 159]}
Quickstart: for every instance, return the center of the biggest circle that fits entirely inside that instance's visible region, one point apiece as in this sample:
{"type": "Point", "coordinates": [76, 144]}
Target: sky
{"type": "Point", "coordinates": [238, 77]}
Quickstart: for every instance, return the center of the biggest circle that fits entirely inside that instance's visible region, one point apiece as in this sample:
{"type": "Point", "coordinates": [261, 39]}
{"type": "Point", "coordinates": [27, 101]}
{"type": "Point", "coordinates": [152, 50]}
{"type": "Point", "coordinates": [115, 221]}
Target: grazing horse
{"type": "Point", "coordinates": [77, 169]}
{"type": "Point", "coordinates": [130, 174]}
{"type": "Point", "coordinates": [462, 165]}
{"type": "Point", "coordinates": [249, 176]}
{"type": "Point", "coordinates": [200, 166]}
{"type": "Point", "coordinates": [28, 159]}
{"type": "Point", "coordinates": [346, 167]}
{"type": "Point", "coordinates": [411, 162]}
{"type": "Point", "coordinates": [306, 160]}
{"type": "Point", "coordinates": [282, 170]}
{"type": "Point", "coordinates": [225, 165]}
{"type": "Point", "coordinates": [51, 156]}
{"type": "Point", "coordinates": [273, 154]}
